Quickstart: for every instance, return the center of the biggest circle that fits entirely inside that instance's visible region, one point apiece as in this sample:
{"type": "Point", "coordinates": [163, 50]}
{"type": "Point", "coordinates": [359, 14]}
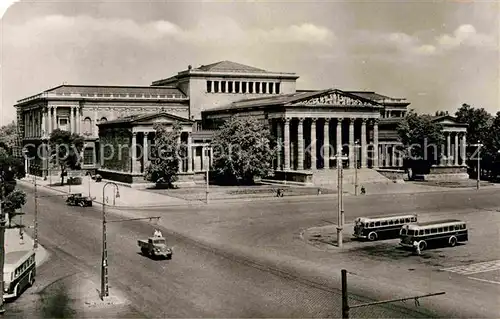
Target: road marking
{"type": "Point", "coordinates": [475, 268]}
{"type": "Point", "coordinates": [486, 280]}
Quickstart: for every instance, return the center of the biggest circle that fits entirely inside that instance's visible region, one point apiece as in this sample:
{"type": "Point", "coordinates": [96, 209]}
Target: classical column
{"type": "Point", "coordinates": [78, 120]}
{"type": "Point", "coordinates": [189, 153]}
{"type": "Point", "coordinates": [393, 156]}
{"type": "Point", "coordinates": [363, 143]}
{"type": "Point", "coordinates": [279, 137]}
{"type": "Point", "coordinates": [44, 128]}
{"type": "Point", "coordinates": [134, 152]}
{"type": "Point", "coordinates": [463, 149]}
{"type": "Point", "coordinates": [300, 145]}
{"type": "Point", "coordinates": [72, 120]}
{"type": "Point", "coordinates": [49, 120]}
{"type": "Point", "coordinates": [314, 160]}
{"type": "Point", "coordinates": [338, 147]}
{"type": "Point", "coordinates": [456, 149]}
{"type": "Point", "coordinates": [95, 129]}
{"type": "Point", "coordinates": [375, 143]}
{"type": "Point", "coordinates": [326, 143]}
{"type": "Point", "coordinates": [352, 145]}
{"type": "Point", "coordinates": [177, 149]}
{"type": "Point", "coordinates": [448, 149]}
{"type": "Point", "coordinates": [54, 118]}
{"type": "Point", "coordinates": [145, 149]}
{"type": "Point", "coordinates": [286, 143]}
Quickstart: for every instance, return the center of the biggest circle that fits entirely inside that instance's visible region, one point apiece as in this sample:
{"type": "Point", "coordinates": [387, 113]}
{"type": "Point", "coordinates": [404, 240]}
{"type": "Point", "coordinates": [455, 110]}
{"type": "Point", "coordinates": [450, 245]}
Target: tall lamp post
{"type": "Point", "coordinates": [35, 222]}
{"type": "Point", "coordinates": [104, 264]}
{"type": "Point", "coordinates": [356, 147]}
{"type": "Point", "coordinates": [340, 207]}
{"type": "Point", "coordinates": [478, 180]}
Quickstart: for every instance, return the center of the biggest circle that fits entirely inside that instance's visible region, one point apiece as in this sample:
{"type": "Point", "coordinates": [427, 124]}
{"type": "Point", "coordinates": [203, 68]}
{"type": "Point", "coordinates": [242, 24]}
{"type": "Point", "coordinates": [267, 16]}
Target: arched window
{"type": "Point", "coordinates": [87, 126]}
{"type": "Point", "coordinates": [103, 119]}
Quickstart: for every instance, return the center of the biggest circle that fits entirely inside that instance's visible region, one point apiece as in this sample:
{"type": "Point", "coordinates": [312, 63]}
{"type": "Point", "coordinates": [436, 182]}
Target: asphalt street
{"type": "Point", "coordinates": [269, 231]}
{"type": "Point", "coordinates": [202, 280]}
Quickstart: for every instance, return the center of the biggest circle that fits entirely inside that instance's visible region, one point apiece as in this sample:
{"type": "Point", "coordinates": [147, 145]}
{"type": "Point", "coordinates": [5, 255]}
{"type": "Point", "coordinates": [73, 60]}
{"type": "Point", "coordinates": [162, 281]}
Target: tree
{"type": "Point", "coordinates": [65, 149]}
{"type": "Point", "coordinates": [8, 136]}
{"type": "Point", "coordinates": [11, 168]}
{"type": "Point", "coordinates": [421, 138]}
{"type": "Point", "coordinates": [242, 150]}
{"type": "Point", "coordinates": [165, 156]}
{"type": "Point", "coordinates": [478, 120]}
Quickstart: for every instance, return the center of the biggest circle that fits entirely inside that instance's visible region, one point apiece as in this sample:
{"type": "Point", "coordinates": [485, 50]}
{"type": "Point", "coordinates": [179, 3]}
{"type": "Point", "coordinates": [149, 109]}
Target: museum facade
{"type": "Point", "coordinates": [311, 126]}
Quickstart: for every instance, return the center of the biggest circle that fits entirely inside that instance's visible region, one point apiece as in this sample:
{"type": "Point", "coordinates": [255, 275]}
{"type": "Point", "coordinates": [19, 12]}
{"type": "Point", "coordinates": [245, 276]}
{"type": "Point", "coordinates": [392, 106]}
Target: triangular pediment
{"type": "Point", "coordinates": [333, 97]}
{"type": "Point", "coordinates": [160, 118]}
{"type": "Point", "coordinates": [448, 120]}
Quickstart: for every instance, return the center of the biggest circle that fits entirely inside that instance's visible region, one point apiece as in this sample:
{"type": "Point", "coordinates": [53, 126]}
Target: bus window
{"type": "Point", "coordinates": [462, 226]}
{"type": "Point", "coordinates": [410, 232]}
{"type": "Point", "coordinates": [407, 220]}
{"type": "Point", "coordinates": [384, 223]}
{"type": "Point", "coordinates": [427, 231]}
{"type": "Point", "coordinates": [433, 230]}
{"type": "Point", "coordinates": [413, 219]}
{"type": "Point", "coordinates": [403, 231]}
{"type": "Point", "coordinates": [402, 221]}
{"type": "Point", "coordinates": [457, 227]}
{"type": "Point", "coordinates": [440, 229]}
{"type": "Point", "coordinates": [372, 224]}
{"type": "Point", "coordinates": [445, 229]}
{"type": "Point", "coordinates": [391, 222]}
{"type": "Point", "coordinates": [377, 224]}
{"type": "Point", "coordinates": [421, 232]}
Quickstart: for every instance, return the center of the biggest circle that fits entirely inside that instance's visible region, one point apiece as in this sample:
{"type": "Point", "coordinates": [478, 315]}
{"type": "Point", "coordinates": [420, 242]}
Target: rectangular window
{"type": "Point", "coordinates": [243, 87]}
{"type": "Point", "coordinates": [434, 230]}
{"type": "Point", "coordinates": [427, 231]}
{"type": "Point", "coordinates": [230, 87]}
{"type": "Point", "coordinates": [257, 87]}
{"type": "Point", "coordinates": [237, 87]}
{"type": "Point", "coordinates": [88, 156]}
{"type": "Point", "coordinates": [271, 88]}
{"type": "Point", "coordinates": [391, 222]}
{"type": "Point", "coordinates": [277, 86]}
{"type": "Point", "coordinates": [250, 87]}
{"type": "Point", "coordinates": [264, 87]}
{"type": "Point", "coordinates": [377, 224]}
{"type": "Point", "coordinates": [223, 86]}
{"type": "Point", "coordinates": [384, 223]}
{"type": "Point", "coordinates": [445, 229]}
{"type": "Point", "coordinates": [216, 86]}
{"type": "Point", "coordinates": [440, 229]}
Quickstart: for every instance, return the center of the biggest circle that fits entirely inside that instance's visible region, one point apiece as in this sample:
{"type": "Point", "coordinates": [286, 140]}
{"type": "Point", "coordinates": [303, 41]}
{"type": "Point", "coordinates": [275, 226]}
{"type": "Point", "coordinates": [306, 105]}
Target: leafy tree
{"type": "Point", "coordinates": [8, 136]}
{"type": "Point", "coordinates": [421, 138]}
{"type": "Point", "coordinates": [65, 149]}
{"type": "Point", "coordinates": [11, 168]}
{"type": "Point", "coordinates": [479, 121]}
{"type": "Point", "coordinates": [165, 153]}
{"type": "Point", "coordinates": [492, 144]}
{"type": "Point", "coordinates": [242, 150]}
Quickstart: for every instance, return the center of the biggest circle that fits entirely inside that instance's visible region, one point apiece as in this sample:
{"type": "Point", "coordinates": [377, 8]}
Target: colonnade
{"type": "Point", "coordinates": [453, 152]}
{"type": "Point", "coordinates": [319, 134]}
{"type": "Point", "coordinates": [40, 122]}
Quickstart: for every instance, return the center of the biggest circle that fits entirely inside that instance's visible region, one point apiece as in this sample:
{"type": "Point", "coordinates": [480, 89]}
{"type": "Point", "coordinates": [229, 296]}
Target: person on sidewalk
{"type": "Point", "coordinates": [417, 248]}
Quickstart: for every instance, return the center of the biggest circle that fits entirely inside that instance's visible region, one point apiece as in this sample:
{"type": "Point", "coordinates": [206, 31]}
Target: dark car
{"type": "Point", "coordinates": [79, 200]}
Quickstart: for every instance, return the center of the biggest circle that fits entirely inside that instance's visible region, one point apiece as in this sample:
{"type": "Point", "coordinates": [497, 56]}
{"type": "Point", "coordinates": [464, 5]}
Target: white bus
{"type": "Point", "coordinates": [382, 227]}
{"type": "Point", "coordinates": [19, 272]}
{"type": "Point", "coordinates": [446, 231]}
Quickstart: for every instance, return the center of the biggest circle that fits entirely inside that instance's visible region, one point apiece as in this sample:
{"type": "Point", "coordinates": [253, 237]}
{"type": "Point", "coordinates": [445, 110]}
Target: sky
{"type": "Point", "coordinates": [438, 55]}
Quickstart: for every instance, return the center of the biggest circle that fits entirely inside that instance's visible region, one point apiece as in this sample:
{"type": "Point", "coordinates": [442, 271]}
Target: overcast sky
{"type": "Point", "coordinates": [436, 54]}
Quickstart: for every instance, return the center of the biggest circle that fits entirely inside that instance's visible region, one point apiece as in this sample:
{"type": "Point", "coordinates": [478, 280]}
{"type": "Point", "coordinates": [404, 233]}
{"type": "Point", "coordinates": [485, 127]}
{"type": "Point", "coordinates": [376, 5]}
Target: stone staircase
{"type": "Point", "coordinates": [329, 178]}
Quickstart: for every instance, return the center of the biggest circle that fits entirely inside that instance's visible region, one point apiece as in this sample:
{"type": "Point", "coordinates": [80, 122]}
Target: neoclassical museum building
{"type": "Point", "coordinates": [311, 125]}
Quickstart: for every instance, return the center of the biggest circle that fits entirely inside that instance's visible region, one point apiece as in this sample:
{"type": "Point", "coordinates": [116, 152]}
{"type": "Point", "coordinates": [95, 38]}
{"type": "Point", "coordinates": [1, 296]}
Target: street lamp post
{"type": "Point", "coordinates": [356, 146]}
{"type": "Point", "coordinates": [104, 263]}
{"type": "Point", "coordinates": [340, 208]}
{"type": "Point", "coordinates": [478, 179]}
{"type": "Point", "coordinates": [35, 230]}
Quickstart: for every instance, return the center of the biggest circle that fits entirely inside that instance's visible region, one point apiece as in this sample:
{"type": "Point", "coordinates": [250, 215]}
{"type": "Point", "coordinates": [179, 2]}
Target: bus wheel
{"type": "Point", "coordinates": [422, 245]}
{"type": "Point", "coordinates": [31, 279]}
{"type": "Point", "coordinates": [372, 236]}
{"type": "Point", "coordinates": [453, 241]}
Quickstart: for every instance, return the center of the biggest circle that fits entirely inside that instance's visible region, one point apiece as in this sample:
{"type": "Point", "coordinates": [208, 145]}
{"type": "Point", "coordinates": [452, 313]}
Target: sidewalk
{"type": "Point", "coordinates": [128, 197]}
{"type": "Point", "coordinates": [13, 243]}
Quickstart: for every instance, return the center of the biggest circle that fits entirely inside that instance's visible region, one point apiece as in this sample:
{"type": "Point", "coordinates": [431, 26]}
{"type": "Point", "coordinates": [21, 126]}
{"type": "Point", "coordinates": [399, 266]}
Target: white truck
{"type": "Point", "coordinates": [155, 247]}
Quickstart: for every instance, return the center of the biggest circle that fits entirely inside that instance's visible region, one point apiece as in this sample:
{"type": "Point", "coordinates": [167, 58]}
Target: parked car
{"type": "Point", "coordinates": [155, 247]}
{"type": "Point", "coordinates": [78, 200]}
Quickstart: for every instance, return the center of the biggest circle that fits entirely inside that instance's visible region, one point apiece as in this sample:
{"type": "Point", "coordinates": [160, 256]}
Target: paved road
{"type": "Point", "coordinates": [201, 281]}
{"type": "Point", "coordinates": [269, 231]}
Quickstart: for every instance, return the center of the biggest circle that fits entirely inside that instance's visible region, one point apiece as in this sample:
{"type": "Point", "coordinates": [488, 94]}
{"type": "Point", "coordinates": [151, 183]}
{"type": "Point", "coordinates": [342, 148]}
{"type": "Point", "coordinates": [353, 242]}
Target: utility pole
{"type": "Point", "coordinates": [104, 259]}
{"type": "Point", "coordinates": [478, 179]}
{"type": "Point", "coordinates": [356, 168]}
{"type": "Point", "coordinates": [35, 235]}
{"type": "Point", "coordinates": [345, 298]}
{"type": "Point", "coordinates": [207, 168]}
{"type": "Point", "coordinates": [340, 208]}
